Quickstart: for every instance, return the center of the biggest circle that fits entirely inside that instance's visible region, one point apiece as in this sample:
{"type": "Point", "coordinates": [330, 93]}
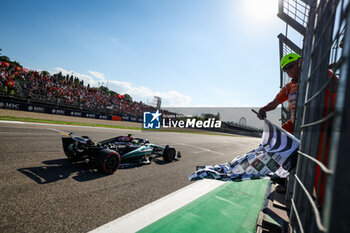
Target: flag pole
{"type": "Point", "coordinates": [280, 128]}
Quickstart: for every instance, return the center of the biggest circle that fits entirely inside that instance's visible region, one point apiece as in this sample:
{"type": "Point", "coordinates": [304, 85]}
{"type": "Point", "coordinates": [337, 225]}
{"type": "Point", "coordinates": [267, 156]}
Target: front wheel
{"type": "Point", "coordinates": [169, 153]}
{"type": "Point", "coordinates": [107, 161]}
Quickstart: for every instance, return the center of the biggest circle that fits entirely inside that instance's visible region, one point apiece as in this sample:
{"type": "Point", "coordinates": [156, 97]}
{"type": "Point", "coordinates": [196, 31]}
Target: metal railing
{"type": "Point", "coordinates": [321, 118]}
{"type": "Point", "coordinates": [295, 14]}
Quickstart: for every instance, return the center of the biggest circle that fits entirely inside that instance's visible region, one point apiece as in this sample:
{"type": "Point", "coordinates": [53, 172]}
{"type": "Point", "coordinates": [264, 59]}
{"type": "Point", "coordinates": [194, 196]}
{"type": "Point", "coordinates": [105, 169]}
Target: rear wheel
{"type": "Point", "coordinates": [169, 153]}
{"type": "Point", "coordinates": [107, 161]}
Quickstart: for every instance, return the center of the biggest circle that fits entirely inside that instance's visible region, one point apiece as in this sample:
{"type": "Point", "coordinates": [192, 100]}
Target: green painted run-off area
{"type": "Point", "coordinates": [233, 207]}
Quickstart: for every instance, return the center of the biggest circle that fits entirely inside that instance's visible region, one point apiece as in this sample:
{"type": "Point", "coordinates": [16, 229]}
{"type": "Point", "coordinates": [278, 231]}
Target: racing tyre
{"type": "Point", "coordinates": [169, 153]}
{"type": "Point", "coordinates": [107, 161]}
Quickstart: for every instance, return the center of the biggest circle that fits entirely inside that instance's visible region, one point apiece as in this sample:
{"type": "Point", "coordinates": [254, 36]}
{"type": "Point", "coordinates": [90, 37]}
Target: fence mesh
{"type": "Point", "coordinates": [321, 112]}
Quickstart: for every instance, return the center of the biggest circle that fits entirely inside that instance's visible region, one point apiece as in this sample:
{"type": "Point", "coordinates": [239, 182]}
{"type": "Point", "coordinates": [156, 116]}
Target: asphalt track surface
{"type": "Point", "coordinates": [41, 191]}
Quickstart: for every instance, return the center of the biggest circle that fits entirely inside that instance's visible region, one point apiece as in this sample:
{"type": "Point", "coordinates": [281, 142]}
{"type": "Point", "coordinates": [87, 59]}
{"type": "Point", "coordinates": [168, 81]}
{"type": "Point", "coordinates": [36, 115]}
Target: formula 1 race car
{"type": "Point", "coordinates": [107, 155]}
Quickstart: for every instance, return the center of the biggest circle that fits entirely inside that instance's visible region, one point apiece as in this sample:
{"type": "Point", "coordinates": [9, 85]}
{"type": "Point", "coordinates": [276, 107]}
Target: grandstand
{"type": "Point", "coordinates": [64, 91]}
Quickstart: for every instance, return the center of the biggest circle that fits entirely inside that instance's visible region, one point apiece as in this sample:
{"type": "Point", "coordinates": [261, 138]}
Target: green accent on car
{"type": "Point", "coordinates": [138, 152]}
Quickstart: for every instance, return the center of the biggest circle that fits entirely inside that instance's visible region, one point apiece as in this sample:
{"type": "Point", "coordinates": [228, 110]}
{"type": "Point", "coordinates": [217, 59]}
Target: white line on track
{"type": "Point", "coordinates": [140, 218]}
{"type": "Point", "coordinates": [25, 133]}
{"type": "Point", "coordinates": [14, 122]}
{"type": "Point", "coordinates": [201, 149]}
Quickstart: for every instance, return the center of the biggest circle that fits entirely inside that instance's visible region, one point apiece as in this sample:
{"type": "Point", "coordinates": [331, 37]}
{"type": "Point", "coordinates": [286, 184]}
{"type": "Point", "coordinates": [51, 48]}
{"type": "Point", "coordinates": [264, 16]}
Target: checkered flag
{"type": "Point", "coordinates": [276, 155]}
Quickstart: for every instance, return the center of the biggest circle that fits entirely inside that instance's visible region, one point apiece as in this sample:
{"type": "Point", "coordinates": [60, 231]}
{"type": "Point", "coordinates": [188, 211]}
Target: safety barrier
{"type": "Point", "coordinates": [319, 192]}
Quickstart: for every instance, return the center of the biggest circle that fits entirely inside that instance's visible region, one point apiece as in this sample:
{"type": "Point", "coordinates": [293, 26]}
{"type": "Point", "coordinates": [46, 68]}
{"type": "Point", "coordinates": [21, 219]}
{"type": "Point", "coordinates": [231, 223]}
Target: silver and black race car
{"type": "Point", "coordinates": [107, 155]}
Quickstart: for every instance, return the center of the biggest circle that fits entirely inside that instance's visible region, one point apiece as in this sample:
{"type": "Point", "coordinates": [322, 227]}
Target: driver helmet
{"type": "Point", "coordinates": [134, 141]}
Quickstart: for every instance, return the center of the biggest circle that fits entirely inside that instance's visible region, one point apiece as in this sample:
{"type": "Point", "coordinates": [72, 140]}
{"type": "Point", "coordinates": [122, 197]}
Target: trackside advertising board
{"type": "Point", "coordinates": [14, 105]}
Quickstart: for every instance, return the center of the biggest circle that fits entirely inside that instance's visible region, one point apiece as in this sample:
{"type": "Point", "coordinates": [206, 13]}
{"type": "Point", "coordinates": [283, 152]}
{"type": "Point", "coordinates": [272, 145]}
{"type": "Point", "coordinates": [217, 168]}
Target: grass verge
{"type": "Point", "coordinates": [7, 118]}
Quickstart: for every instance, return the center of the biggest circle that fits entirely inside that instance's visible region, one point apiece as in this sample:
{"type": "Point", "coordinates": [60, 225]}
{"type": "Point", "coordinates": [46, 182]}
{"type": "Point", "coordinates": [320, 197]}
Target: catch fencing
{"type": "Point", "coordinates": [320, 184]}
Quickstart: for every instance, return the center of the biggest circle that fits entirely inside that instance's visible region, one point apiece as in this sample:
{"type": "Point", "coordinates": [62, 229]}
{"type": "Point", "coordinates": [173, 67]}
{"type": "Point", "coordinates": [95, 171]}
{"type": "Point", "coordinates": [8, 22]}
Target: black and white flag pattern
{"type": "Point", "coordinates": [275, 156]}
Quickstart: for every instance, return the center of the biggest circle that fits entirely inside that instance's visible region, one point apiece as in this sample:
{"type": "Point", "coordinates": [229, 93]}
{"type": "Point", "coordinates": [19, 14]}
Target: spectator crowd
{"type": "Point", "coordinates": [65, 91]}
